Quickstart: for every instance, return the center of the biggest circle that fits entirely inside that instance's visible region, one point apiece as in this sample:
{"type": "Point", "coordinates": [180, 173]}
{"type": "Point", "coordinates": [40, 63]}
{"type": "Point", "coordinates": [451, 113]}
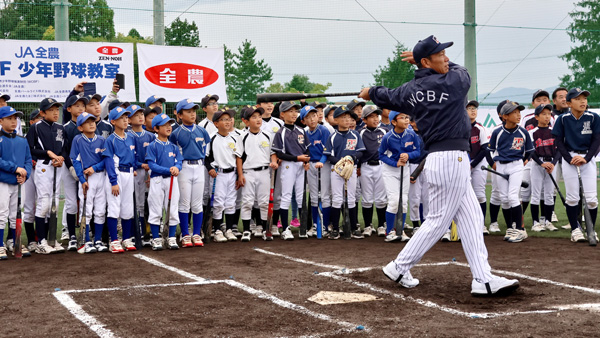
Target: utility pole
{"type": "Point", "coordinates": [61, 20]}
{"type": "Point", "coordinates": [471, 46]}
{"type": "Point", "coordinates": [159, 22]}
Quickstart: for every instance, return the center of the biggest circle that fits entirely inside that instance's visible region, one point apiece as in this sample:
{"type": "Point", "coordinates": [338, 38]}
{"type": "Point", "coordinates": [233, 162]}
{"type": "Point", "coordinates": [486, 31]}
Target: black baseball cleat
{"type": "Point", "coordinates": [497, 286]}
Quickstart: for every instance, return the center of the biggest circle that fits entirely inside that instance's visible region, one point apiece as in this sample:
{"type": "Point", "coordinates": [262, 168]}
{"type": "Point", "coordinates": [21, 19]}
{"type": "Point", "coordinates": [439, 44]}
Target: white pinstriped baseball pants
{"type": "Point", "coordinates": [451, 197]}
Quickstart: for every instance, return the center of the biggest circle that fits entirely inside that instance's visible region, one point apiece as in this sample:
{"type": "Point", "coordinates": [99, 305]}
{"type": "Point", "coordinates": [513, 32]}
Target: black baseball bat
{"type": "Point", "coordinates": [347, 226]}
{"type": "Point", "coordinates": [562, 198]}
{"type": "Point", "coordinates": [589, 224]}
{"type": "Point", "coordinates": [274, 97]}
{"type": "Point", "coordinates": [304, 216]}
{"type": "Point", "coordinates": [415, 174]}
{"type": "Point", "coordinates": [17, 250]}
{"type": "Point", "coordinates": [505, 176]}
{"type": "Point", "coordinates": [319, 222]}
{"type": "Point", "coordinates": [52, 223]}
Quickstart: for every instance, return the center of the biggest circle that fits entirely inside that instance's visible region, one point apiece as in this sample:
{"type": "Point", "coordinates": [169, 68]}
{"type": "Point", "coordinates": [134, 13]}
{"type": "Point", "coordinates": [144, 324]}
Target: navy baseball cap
{"type": "Point", "coordinates": [541, 107]}
{"type": "Point", "coordinates": [538, 93]}
{"type": "Point", "coordinates": [185, 104]}
{"type": "Point", "coordinates": [84, 117]}
{"type": "Point", "coordinates": [160, 120]}
{"type": "Point", "coordinates": [49, 102]}
{"type": "Point", "coordinates": [116, 113]}
{"type": "Point", "coordinates": [207, 98]}
{"type": "Point", "coordinates": [93, 96]}
{"type": "Point", "coordinates": [305, 110]}
{"type": "Point", "coordinates": [247, 111]}
{"type": "Point", "coordinates": [473, 103]}
{"type": "Point", "coordinates": [6, 97]}
{"type": "Point", "coordinates": [318, 104]}
{"type": "Point", "coordinates": [153, 99]}
{"type": "Point", "coordinates": [339, 111]}
{"type": "Point", "coordinates": [368, 110]}
{"type": "Point", "coordinates": [287, 105]}
{"type": "Point", "coordinates": [500, 105]}
{"type": "Point", "coordinates": [116, 103]}
{"type": "Point", "coordinates": [7, 111]}
{"type": "Point", "coordinates": [352, 104]}
{"type": "Point", "coordinates": [71, 100]}
{"type": "Point", "coordinates": [329, 110]}
{"type": "Point", "coordinates": [148, 111]}
{"type": "Point", "coordinates": [573, 93]}
{"type": "Point", "coordinates": [510, 107]}
{"type": "Point", "coordinates": [222, 112]}
{"type": "Point", "coordinates": [34, 114]}
{"type": "Point", "coordinates": [427, 47]}
{"type": "Point", "coordinates": [134, 108]}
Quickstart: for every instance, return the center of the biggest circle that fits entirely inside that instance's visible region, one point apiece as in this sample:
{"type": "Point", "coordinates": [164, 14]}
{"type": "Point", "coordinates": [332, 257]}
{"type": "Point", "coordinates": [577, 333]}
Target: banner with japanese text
{"type": "Point", "coordinates": [176, 73]}
{"type": "Point", "coordinates": [32, 70]}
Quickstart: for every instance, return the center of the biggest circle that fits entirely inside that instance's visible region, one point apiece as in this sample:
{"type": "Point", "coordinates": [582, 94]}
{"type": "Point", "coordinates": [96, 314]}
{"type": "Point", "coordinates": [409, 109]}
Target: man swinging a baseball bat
{"type": "Point", "coordinates": [436, 99]}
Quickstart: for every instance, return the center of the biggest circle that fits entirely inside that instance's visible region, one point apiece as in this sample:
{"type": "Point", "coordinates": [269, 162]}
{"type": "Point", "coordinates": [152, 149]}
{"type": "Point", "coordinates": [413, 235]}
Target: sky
{"type": "Point", "coordinates": [315, 38]}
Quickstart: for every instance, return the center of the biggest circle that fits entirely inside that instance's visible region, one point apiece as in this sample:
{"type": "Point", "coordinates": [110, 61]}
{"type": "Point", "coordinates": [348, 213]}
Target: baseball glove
{"type": "Point", "coordinates": [344, 167]}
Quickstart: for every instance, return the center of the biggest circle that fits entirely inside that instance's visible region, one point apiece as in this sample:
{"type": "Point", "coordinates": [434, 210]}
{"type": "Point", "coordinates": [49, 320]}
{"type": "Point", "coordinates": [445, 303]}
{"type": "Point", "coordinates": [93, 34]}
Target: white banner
{"type": "Point", "coordinates": [176, 73]}
{"type": "Point", "coordinates": [32, 70]}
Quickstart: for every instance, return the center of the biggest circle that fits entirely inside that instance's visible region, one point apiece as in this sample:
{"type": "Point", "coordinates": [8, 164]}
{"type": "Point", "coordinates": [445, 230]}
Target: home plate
{"type": "Point", "coordinates": [330, 297]}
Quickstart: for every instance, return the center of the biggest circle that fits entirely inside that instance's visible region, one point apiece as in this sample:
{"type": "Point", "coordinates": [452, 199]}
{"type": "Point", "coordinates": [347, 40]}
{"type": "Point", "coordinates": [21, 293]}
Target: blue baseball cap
{"type": "Point", "coordinates": [160, 120]}
{"type": "Point", "coordinates": [339, 111]}
{"type": "Point", "coordinates": [393, 115]}
{"type": "Point", "coordinates": [134, 108]}
{"type": "Point", "coordinates": [84, 117]}
{"type": "Point", "coordinates": [427, 47]}
{"type": "Point", "coordinates": [116, 113]}
{"type": "Point", "coordinates": [305, 110]}
{"type": "Point", "coordinates": [7, 111]}
{"type": "Point", "coordinates": [538, 109]}
{"type": "Point", "coordinates": [573, 93]}
{"type": "Point", "coordinates": [71, 100]}
{"type": "Point", "coordinates": [153, 99]}
{"type": "Point", "coordinates": [185, 104]}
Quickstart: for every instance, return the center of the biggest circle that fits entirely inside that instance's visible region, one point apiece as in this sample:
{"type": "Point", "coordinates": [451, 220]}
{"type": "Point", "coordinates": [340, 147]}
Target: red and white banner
{"type": "Point", "coordinates": [176, 73]}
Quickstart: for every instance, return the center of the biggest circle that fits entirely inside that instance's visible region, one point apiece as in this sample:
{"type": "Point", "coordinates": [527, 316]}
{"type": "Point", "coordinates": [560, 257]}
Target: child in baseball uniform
{"type": "Point", "coordinates": [319, 106]}
{"type": "Point", "coordinates": [149, 114]}
{"type": "Point", "coordinates": [192, 140]}
{"type": "Point", "coordinates": [544, 158]}
{"type": "Point", "coordinates": [397, 148]}
{"type": "Point", "coordinates": [86, 153]}
{"type": "Point", "coordinates": [371, 181]}
{"type": "Point", "coordinates": [47, 143]}
{"type": "Point", "coordinates": [511, 146]}
{"type": "Point", "coordinates": [577, 136]}
{"type": "Point", "coordinates": [477, 154]}
{"type": "Point", "coordinates": [290, 145]}
{"type": "Point", "coordinates": [30, 195]}
{"type": "Point", "coordinates": [15, 169]}
{"type": "Point", "coordinates": [236, 133]}
{"type": "Point", "coordinates": [495, 201]}
{"type": "Point", "coordinates": [319, 167]}
{"type": "Point", "coordinates": [253, 160]}
{"type": "Point", "coordinates": [164, 160]}
{"type": "Point", "coordinates": [343, 145]}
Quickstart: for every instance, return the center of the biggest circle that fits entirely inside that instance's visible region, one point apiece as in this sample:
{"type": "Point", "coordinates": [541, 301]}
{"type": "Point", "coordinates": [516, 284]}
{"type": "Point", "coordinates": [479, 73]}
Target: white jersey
{"type": "Point", "coordinates": [221, 150]}
{"type": "Point", "coordinates": [209, 126]}
{"type": "Point", "coordinates": [328, 126]}
{"type": "Point", "coordinates": [254, 150]}
{"type": "Point", "coordinates": [271, 127]}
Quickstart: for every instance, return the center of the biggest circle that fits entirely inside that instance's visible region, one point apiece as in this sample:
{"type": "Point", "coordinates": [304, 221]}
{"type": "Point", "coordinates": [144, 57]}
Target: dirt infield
{"type": "Point", "coordinates": [261, 289]}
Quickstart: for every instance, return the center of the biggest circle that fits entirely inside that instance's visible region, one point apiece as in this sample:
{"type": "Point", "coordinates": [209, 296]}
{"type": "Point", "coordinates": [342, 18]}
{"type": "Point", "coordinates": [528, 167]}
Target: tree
{"type": "Point", "coordinates": [49, 34]}
{"type": "Point", "coordinates": [26, 19]}
{"type": "Point", "coordinates": [182, 33]}
{"type": "Point", "coordinates": [582, 59]}
{"type": "Point", "coordinates": [134, 33]}
{"type": "Point", "coordinates": [248, 75]}
{"type": "Point", "coordinates": [396, 72]}
{"type": "Point", "coordinates": [91, 18]}
{"type": "Point", "coordinates": [301, 83]}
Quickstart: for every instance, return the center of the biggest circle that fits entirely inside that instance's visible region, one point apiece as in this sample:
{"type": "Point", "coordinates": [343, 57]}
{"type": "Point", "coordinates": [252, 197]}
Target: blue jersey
{"type": "Point", "coordinates": [118, 153]}
{"type": "Point", "coordinates": [316, 141]}
{"type": "Point", "coordinates": [161, 156]}
{"type": "Point", "coordinates": [290, 140]}
{"type": "Point", "coordinates": [343, 143]}
{"type": "Point", "coordinates": [142, 141]}
{"type": "Point", "coordinates": [192, 140]}
{"type": "Point", "coordinates": [510, 145]}
{"type": "Point", "coordinates": [438, 104]}
{"type": "Point", "coordinates": [575, 133]}
{"type": "Point", "coordinates": [85, 153]}
{"type": "Point", "coordinates": [394, 144]}
{"type": "Point", "coordinates": [371, 139]}
{"type": "Point", "coordinates": [14, 153]}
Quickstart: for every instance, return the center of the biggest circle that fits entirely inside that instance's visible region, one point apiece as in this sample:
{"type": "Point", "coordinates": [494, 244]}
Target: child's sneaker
{"type": "Point", "coordinates": [275, 231]}
{"type": "Point", "coordinates": [186, 241]}
{"type": "Point", "coordinates": [58, 248]}
{"type": "Point", "coordinates": [10, 245]}
{"type": "Point", "coordinates": [295, 223]}
{"type": "Point", "coordinates": [550, 226]}
{"type": "Point", "coordinates": [392, 237]}
{"type": "Point", "coordinates": [236, 232]}
{"type": "Point", "coordinates": [404, 237]}
{"type": "Point", "coordinates": [100, 247]}
{"type": "Point", "coordinates": [381, 232]}
{"type": "Point", "coordinates": [146, 242]}
{"type": "Point", "coordinates": [219, 238]}
{"type": "Point", "coordinates": [279, 224]}
{"type": "Point", "coordinates": [3, 254]}
{"type": "Point", "coordinates": [115, 247]}
{"type": "Point", "coordinates": [312, 232]}
{"type": "Point", "coordinates": [246, 236]}
{"type": "Point", "coordinates": [230, 236]}
{"type": "Point", "coordinates": [518, 236]}
{"type": "Point", "coordinates": [72, 244]}
{"type": "Point", "coordinates": [24, 251]}
{"type": "Point", "coordinates": [446, 237]}
{"type": "Point", "coordinates": [64, 235]}
{"type": "Point", "coordinates": [157, 244]}
{"type": "Point", "coordinates": [43, 248]}
{"type": "Point", "coordinates": [368, 231]}
{"type": "Point", "coordinates": [128, 245]}
{"type": "Point", "coordinates": [334, 234]}
{"type": "Point", "coordinates": [172, 243]}
{"type": "Point", "coordinates": [537, 227]}
{"type": "Point", "coordinates": [485, 230]}
{"type": "Point", "coordinates": [258, 231]}
{"type": "Point", "coordinates": [88, 247]}
{"type": "Point", "coordinates": [357, 234]}
{"type": "Point", "coordinates": [287, 235]}
{"type": "Point", "coordinates": [32, 246]}
{"type": "Point", "coordinates": [197, 240]}
{"type": "Point", "coordinates": [494, 227]}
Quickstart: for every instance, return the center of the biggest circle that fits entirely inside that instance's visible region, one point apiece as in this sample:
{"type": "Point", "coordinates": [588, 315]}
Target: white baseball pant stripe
{"type": "Point", "coordinates": [224, 194]}
{"type": "Point", "coordinates": [70, 193]}
{"type": "Point", "coordinates": [191, 182]}
{"type": "Point", "coordinates": [121, 205]}
{"type": "Point", "coordinates": [256, 190]}
{"type": "Point", "coordinates": [526, 192]}
{"type": "Point", "coordinates": [541, 185]}
{"type": "Point", "coordinates": [139, 186]}
{"type": "Point", "coordinates": [44, 174]}
{"type": "Point", "coordinates": [8, 204]}
{"type": "Point", "coordinates": [372, 186]}
{"type": "Point", "coordinates": [588, 177]}
{"type": "Point", "coordinates": [478, 178]}
{"type": "Point", "coordinates": [313, 185]}
{"type": "Point", "coordinates": [337, 190]}
{"type": "Point", "coordinates": [158, 198]}
{"type": "Point", "coordinates": [509, 189]}
{"type": "Point", "coordinates": [29, 197]}
{"type": "Point", "coordinates": [391, 179]}
{"type": "Point", "coordinates": [451, 197]}
{"type": "Point", "coordinates": [291, 175]}
{"type": "Point", "coordinates": [418, 193]}
{"type": "Point", "coordinates": [96, 198]}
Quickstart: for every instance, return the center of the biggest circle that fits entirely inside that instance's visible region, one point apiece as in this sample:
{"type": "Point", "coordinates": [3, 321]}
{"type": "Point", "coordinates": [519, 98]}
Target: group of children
{"type": "Point", "coordinates": [141, 161]}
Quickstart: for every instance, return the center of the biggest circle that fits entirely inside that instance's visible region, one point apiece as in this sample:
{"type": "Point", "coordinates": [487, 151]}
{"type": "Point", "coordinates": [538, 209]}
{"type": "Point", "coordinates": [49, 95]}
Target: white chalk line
{"type": "Point", "coordinates": [300, 260]}
{"type": "Point", "coordinates": [77, 311]}
{"type": "Point", "coordinates": [169, 267]}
